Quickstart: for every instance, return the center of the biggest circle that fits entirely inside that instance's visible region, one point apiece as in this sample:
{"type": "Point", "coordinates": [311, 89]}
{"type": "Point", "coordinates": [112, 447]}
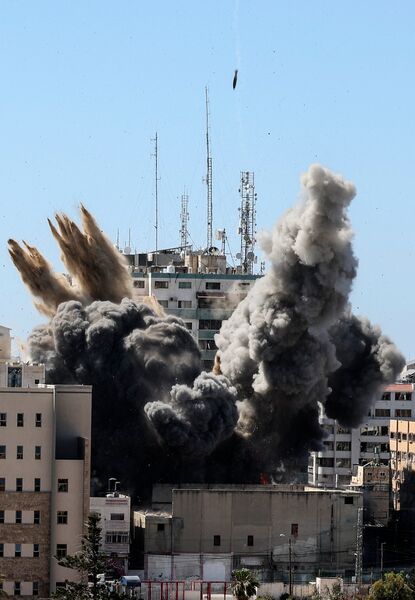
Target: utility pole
{"type": "Point", "coordinates": [184, 219]}
{"type": "Point", "coordinates": [359, 547]}
{"type": "Point", "coordinates": [381, 558]}
{"type": "Point", "coordinates": [290, 568]}
{"type": "Point", "coordinates": [208, 179]}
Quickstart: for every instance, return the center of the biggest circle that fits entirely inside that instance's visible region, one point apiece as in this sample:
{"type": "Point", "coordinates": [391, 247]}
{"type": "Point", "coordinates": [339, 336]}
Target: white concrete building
{"type": "Point", "coordinates": [13, 371]}
{"type": "Point", "coordinates": [114, 509]}
{"type": "Point", "coordinates": [345, 448]}
{"type": "Point", "coordinates": [44, 483]}
{"type": "Point", "coordinates": [199, 288]}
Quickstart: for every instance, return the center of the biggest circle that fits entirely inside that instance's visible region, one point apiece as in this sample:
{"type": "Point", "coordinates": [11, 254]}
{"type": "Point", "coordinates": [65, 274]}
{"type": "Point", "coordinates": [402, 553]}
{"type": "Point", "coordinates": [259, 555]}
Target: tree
{"type": "Point", "coordinates": [90, 562]}
{"type": "Point", "coordinates": [393, 586]}
{"type": "Point", "coordinates": [244, 584]}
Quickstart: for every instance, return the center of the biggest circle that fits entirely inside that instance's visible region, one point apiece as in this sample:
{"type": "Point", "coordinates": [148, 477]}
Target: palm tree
{"type": "Point", "coordinates": [244, 584]}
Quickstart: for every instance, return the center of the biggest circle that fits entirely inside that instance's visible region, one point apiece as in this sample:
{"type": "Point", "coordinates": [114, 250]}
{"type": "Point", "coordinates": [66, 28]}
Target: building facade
{"type": "Point", "coordinates": [44, 483]}
{"type": "Point", "coordinates": [13, 371]}
{"type": "Point", "coordinates": [345, 448]}
{"type": "Point", "coordinates": [271, 529]}
{"type": "Point", "coordinates": [374, 481]}
{"type": "Point", "coordinates": [199, 288]}
{"type": "Point", "coordinates": [114, 509]}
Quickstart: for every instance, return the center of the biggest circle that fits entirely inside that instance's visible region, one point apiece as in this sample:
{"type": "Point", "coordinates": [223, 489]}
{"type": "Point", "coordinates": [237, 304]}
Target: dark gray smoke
{"type": "Point", "coordinates": [288, 347]}
{"type": "Point", "coordinates": [284, 345]}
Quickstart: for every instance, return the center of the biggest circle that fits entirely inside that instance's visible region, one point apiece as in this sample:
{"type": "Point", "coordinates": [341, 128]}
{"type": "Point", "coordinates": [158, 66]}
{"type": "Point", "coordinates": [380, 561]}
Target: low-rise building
{"type": "Point", "coordinates": [273, 529]}
{"type": "Point", "coordinates": [114, 510]}
{"type": "Point", "coordinates": [373, 480]}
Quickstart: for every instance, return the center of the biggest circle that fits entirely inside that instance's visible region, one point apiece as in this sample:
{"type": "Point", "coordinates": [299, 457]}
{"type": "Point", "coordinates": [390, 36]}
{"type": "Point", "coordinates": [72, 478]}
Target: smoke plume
{"type": "Point", "coordinates": [290, 346]}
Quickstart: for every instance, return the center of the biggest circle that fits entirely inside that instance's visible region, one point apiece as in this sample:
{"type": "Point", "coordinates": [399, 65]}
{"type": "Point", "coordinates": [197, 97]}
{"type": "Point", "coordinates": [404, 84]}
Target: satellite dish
{"type": "Point", "coordinates": [127, 250]}
{"type": "Point", "coordinates": [219, 234]}
{"type": "Point", "coordinates": [238, 255]}
{"type": "Point", "coordinates": [250, 256]}
{"type": "Point", "coordinates": [213, 250]}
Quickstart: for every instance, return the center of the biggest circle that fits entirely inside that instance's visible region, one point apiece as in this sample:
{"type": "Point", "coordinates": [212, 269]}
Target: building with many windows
{"type": "Point", "coordinates": [44, 483]}
{"type": "Point", "coordinates": [197, 287]}
{"type": "Point", "coordinates": [344, 448]}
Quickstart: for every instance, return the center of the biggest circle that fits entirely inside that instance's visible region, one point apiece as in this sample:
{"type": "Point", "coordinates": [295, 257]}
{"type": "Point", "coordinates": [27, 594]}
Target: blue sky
{"type": "Point", "coordinates": [85, 86]}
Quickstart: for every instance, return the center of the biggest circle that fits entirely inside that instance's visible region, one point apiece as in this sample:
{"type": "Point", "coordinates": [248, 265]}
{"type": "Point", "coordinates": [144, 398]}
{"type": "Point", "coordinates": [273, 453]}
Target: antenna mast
{"type": "Point", "coordinates": [156, 195]}
{"type": "Point", "coordinates": [184, 219]}
{"type": "Point", "coordinates": [247, 224]}
{"type": "Point", "coordinates": [208, 178]}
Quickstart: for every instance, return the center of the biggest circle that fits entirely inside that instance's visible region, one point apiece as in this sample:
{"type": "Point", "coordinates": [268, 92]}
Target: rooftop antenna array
{"type": "Point", "coordinates": [208, 178]}
{"type": "Point", "coordinates": [247, 222]}
{"type": "Point", "coordinates": [156, 195]}
{"type": "Point", "coordinates": [184, 219]}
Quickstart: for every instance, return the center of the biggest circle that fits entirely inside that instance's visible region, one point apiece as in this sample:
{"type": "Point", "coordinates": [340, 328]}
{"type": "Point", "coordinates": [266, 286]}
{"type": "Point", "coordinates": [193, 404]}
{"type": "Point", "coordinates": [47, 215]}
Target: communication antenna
{"type": "Point", "coordinates": [247, 221]}
{"type": "Point", "coordinates": [184, 219]}
{"type": "Point", "coordinates": [156, 195]}
{"type": "Point", "coordinates": [208, 178]}
{"type": "Point", "coordinates": [359, 547]}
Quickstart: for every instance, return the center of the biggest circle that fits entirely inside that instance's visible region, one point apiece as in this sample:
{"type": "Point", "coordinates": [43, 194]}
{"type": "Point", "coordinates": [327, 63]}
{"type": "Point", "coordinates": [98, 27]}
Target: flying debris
{"type": "Point", "coordinates": [235, 79]}
{"type": "Point", "coordinates": [289, 346]}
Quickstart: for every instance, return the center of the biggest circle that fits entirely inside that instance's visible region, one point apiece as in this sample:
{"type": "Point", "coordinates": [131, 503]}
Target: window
{"type": "Point", "coordinates": [61, 550]}
{"type": "Point", "coordinates": [63, 485]}
{"type": "Point", "coordinates": [3, 419]}
{"type": "Point", "coordinates": [38, 420]}
{"type": "Point", "coordinates": [14, 377]}
{"type": "Point", "coordinates": [189, 326]}
{"type": "Point", "coordinates": [36, 517]}
{"type": "Point", "coordinates": [343, 446]}
{"type": "Point", "coordinates": [164, 303]}
{"type": "Point", "coordinates": [328, 445]}
{"type": "Point", "coordinates": [139, 283]}
{"type": "Point", "coordinates": [38, 452]}
{"type": "Point", "coordinates": [1, 549]}
{"type": "Point", "coordinates": [35, 588]}
{"type": "Point", "coordinates": [212, 324]}
{"type": "Point", "coordinates": [343, 463]}
{"type": "Point", "coordinates": [250, 540]}
{"type": "Point", "coordinates": [19, 452]}
{"type": "Point", "coordinates": [1, 516]}
{"type": "Point", "coordinates": [323, 461]}
{"type": "Point", "coordinates": [161, 285]}
{"type": "Point", "coordinates": [16, 590]}
{"type": "Point", "coordinates": [184, 304]}
{"type": "Point", "coordinates": [403, 412]}
{"type": "Point", "coordinates": [160, 526]}
{"type": "Point", "coordinates": [386, 396]}
{"type": "Point", "coordinates": [2, 451]}
{"type": "Point", "coordinates": [62, 517]}
{"type": "Point", "coordinates": [36, 551]}
{"type": "Point", "coordinates": [207, 345]}
{"type": "Point", "coordinates": [342, 430]}
{"type": "Point", "coordinates": [348, 500]}
{"type": "Point", "coordinates": [294, 529]}
{"type": "Point", "coordinates": [382, 412]}
{"type": "Point", "coordinates": [18, 516]}
{"type": "Point", "coordinates": [37, 381]}
{"type": "Point", "coordinates": [212, 285]}
{"type": "Point", "coordinates": [403, 396]}
{"type": "Point", "coordinates": [20, 420]}
{"type": "Point", "coordinates": [17, 550]}
{"type": "Point", "coordinates": [19, 484]}
{"type": "Point", "coordinates": [216, 540]}
{"type": "Point", "coordinates": [185, 285]}
{"type": "Point", "coordinates": [117, 516]}
{"type": "Point", "coordinates": [2, 484]}
{"type": "Point", "coordinates": [37, 484]}
{"type": "Point", "coordinates": [117, 537]}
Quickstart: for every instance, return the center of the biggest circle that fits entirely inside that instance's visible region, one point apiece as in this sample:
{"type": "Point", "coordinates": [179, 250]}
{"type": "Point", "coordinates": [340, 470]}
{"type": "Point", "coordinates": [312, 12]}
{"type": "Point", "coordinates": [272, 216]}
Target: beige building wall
{"type": "Point", "coordinates": [43, 433]}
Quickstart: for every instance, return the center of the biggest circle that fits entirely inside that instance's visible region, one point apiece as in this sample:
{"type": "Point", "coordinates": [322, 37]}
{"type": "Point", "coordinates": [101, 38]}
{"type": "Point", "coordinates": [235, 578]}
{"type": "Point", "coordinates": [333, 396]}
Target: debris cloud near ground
{"type": "Point", "coordinates": [290, 347]}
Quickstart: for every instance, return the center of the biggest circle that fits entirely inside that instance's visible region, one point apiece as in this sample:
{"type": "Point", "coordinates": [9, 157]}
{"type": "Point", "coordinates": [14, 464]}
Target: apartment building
{"type": "Point", "coordinates": [13, 371]}
{"type": "Point", "coordinates": [44, 483]}
{"type": "Point", "coordinates": [197, 287]}
{"type": "Point", "coordinates": [344, 447]}
{"type": "Point", "coordinates": [210, 530]}
{"type": "Point", "coordinates": [402, 444]}
{"type": "Point", "coordinates": [114, 509]}
{"type": "Point", "coordinates": [373, 480]}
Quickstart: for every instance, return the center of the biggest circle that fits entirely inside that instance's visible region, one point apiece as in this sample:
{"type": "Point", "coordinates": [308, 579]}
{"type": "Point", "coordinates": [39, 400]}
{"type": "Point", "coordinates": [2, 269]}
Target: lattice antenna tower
{"type": "Point", "coordinates": [247, 222]}
{"type": "Point", "coordinates": [184, 220]}
{"type": "Point", "coordinates": [208, 178]}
